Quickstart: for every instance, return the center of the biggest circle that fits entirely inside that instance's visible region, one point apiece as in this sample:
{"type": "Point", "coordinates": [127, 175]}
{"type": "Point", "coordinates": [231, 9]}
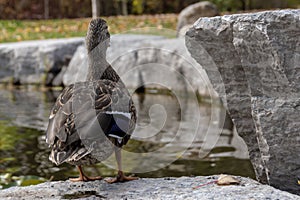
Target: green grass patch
{"type": "Point", "coordinates": [21, 30]}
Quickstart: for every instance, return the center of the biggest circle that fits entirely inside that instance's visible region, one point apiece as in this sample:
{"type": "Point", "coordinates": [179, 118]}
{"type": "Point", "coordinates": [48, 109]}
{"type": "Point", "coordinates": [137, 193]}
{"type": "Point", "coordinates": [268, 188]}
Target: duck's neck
{"type": "Point", "coordinates": [99, 68]}
{"type": "Point", "coordinates": [97, 65]}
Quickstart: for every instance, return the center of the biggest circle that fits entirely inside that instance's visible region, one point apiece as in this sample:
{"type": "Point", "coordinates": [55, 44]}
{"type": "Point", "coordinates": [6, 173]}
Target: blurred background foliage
{"type": "Point", "coordinates": [20, 30]}
{"type": "Point", "coordinates": [70, 18]}
{"type": "Point", "coordinates": [36, 9]}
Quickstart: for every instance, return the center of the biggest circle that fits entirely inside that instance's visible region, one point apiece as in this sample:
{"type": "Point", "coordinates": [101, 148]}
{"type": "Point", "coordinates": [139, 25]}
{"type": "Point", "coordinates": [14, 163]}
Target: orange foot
{"type": "Point", "coordinates": [121, 178]}
{"type": "Point", "coordinates": [85, 178]}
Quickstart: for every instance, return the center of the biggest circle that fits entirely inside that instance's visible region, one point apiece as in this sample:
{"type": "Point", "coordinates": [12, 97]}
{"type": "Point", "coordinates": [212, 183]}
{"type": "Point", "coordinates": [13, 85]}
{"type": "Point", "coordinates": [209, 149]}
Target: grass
{"type": "Point", "coordinates": [21, 30]}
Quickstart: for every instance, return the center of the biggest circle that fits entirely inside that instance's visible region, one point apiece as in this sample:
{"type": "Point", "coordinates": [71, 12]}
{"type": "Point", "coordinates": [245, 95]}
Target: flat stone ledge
{"type": "Point", "coordinates": [35, 62]}
{"type": "Point", "coordinates": [148, 188]}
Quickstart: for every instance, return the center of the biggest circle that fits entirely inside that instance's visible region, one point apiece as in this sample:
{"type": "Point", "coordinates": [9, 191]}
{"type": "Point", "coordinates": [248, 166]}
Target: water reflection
{"type": "Point", "coordinates": [24, 116]}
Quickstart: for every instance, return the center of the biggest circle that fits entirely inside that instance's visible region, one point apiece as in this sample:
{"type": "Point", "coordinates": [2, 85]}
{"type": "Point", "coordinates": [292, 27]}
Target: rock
{"type": "Point", "coordinates": [182, 31]}
{"type": "Point", "coordinates": [143, 60]}
{"type": "Point", "coordinates": [190, 14]}
{"type": "Point", "coordinates": [6, 72]}
{"type": "Point", "coordinates": [77, 68]}
{"type": "Point", "coordinates": [148, 188]}
{"type": "Point", "coordinates": [140, 60]}
{"type": "Point", "coordinates": [252, 60]}
{"type": "Point", "coordinates": [120, 44]}
{"type": "Point", "coordinates": [35, 62]}
{"type": "Point", "coordinates": [58, 79]}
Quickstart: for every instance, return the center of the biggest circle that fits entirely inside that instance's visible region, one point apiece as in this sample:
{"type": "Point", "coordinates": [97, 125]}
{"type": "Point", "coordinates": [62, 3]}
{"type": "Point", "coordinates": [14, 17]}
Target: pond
{"type": "Point", "coordinates": [174, 137]}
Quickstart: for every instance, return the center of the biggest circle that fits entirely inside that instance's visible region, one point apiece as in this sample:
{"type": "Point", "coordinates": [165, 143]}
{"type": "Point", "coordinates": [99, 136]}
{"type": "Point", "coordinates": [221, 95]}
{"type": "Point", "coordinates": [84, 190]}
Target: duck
{"type": "Point", "coordinates": [93, 119]}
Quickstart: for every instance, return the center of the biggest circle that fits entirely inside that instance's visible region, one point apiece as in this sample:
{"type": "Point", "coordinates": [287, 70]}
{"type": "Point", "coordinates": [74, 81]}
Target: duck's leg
{"type": "Point", "coordinates": [83, 177]}
{"type": "Point", "coordinates": [120, 177]}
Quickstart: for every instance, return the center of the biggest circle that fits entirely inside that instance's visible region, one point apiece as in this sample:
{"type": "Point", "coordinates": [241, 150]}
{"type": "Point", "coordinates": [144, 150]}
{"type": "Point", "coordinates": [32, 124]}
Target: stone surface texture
{"type": "Point", "coordinates": [160, 188]}
{"type": "Point", "coordinates": [252, 60]}
{"type": "Point", "coordinates": [190, 14]}
{"type": "Point", "coordinates": [35, 62]}
{"type": "Point", "coordinates": [138, 59]}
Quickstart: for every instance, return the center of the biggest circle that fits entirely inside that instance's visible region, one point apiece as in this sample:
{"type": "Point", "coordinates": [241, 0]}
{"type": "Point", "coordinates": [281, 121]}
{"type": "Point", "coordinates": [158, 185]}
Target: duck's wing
{"type": "Point", "coordinates": [85, 115]}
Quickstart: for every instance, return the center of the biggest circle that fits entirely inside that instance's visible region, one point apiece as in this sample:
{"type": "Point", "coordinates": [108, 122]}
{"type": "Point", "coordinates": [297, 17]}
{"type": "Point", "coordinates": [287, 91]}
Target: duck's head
{"type": "Point", "coordinates": [97, 35]}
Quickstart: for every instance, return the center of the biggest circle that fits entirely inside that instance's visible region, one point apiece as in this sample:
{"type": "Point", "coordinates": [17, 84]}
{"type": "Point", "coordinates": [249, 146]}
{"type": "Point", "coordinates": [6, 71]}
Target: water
{"type": "Point", "coordinates": [166, 142]}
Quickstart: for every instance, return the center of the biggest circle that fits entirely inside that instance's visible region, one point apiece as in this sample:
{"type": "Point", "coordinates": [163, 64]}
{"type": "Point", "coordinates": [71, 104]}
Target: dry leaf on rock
{"type": "Point", "coordinates": [227, 180]}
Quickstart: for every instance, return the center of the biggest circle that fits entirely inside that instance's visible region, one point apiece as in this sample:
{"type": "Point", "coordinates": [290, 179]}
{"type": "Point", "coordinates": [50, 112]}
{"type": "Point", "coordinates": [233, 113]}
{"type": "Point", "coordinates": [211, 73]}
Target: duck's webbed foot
{"type": "Point", "coordinates": [121, 178]}
{"type": "Point", "coordinates": [83, 177]}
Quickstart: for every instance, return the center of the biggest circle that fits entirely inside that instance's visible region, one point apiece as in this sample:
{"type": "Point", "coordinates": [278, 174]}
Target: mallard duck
{"type": "Point", "coordinates": [91, 120]}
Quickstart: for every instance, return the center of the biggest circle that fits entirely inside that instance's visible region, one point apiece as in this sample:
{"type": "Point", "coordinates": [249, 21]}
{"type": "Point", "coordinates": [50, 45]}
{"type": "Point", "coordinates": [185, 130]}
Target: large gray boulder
{"type": "Point", "coordinates": [77, 68]}
{"type": "Point", "coordinates": [35, 62]}
{"type": "Point", "coordinates": [149, 61]}
{"type": "Point", "coordinates": [150, 188]}
{"type": "Point", "coordinates": [190, 14]}
{"type": "Point", "coordinates": [252, 60]}
{"type": "Point", "coordinates": [140, 60]}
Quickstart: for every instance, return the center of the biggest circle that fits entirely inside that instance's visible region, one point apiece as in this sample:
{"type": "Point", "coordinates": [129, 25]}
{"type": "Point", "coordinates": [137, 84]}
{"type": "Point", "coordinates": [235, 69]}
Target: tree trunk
{"type": "Point", "coordinates": [244, 3]}
{"type": "Point", "coordinates": [46, 9]}
{"type": "Point", "coordinates": [164, 6]}
{"type": "Point", "coordinates": [124, 7]}
{"type": "Point", "coordinates": [249, 6]}
{"type": "Point", "coordinates": [180, 5]}
{"type": "Point", "coordinates": [95, 8]}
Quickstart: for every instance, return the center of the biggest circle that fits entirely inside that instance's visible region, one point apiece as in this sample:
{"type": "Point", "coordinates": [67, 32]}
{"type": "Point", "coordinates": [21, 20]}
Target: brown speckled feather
{"type": "Point", "coordinates": [84, 111]}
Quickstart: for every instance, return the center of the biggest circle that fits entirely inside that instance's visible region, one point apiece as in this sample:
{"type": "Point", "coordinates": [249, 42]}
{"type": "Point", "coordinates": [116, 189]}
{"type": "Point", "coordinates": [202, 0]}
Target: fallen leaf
{"type": "Point", "coordinates": [227, 180]}
{"type": "Point", "coordinates": [37, 29]}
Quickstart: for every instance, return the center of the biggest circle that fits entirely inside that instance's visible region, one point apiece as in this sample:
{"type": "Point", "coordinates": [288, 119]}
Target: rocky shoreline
{"type": "Point", "coordinates": [149, 188]}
